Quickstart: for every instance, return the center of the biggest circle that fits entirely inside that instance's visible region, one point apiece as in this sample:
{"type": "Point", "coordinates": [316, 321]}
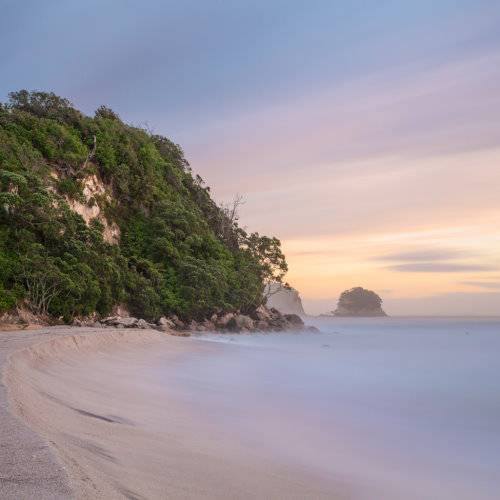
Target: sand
{"type": "Point", "coordinates": [29, 468]}
{"type": "Point", "coordinates": [119, 434]}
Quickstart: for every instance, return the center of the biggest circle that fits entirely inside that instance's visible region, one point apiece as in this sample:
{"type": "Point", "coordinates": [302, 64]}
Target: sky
{"type": "Point", "coordinates": [365, 135]}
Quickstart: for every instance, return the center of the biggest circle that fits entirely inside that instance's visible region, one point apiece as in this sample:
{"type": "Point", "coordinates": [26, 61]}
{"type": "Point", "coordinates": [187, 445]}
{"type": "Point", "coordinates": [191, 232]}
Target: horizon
{"type": "Point", "coordinates": [368, 145]}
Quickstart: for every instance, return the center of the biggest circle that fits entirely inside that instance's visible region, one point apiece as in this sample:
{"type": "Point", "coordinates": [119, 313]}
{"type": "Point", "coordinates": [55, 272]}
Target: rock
{"type": "Point", "coordinates": [177, 333]}
{"type": "Point", "coordinates": [262, 325]}
{"type": "Point", "coordinates": [295, 321]}
{"type": "Point", "coordinates": [117, 321]}
{"type": "Point", "coordinates": [193, 326]}
{"type": "Point", "coordinates": [312, 329]}
{"type": "Point", "coordinates": [127, 322]}
{"type": "Point", "coordinates": [209, 325]}
{"type": "Point", "coordinates": [223, 321]}
{"type": "Point", "coordinates": [359, 302]}
{"type": "Point", "coordinates": [277, 321]}
{"type": "Point", "coordinates": [166, 323]}
{"type": "Point", "coordinates": [262, 313]}
{"type": "Point", "coordinates": [240, 322]}
{"type": "Point", "coordinates": [179, 325]}
{"type": "Point", "coordinates": [244, 321]}
{"type": "Point", "coordinates": [284, 298]}
{"type": "Point", "coordinates": [141, 324]}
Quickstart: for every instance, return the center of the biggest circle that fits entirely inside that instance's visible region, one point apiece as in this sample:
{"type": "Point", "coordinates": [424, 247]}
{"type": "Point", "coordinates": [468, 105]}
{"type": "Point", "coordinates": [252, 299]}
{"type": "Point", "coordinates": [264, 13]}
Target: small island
{"type": "Point", "coordinates": [359, 302]}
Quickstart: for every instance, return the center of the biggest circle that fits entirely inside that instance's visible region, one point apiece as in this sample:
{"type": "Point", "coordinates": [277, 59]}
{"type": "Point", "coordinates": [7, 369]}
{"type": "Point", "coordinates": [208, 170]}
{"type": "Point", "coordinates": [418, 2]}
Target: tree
{"type": "Point", "coordinates": [267, 252]}
{"type": "Point", "coordinates": [43, 281]}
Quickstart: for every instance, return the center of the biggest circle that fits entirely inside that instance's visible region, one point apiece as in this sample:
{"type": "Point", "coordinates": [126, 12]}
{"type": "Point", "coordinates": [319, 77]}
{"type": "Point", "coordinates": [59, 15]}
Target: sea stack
{"type": "Point", "coordinates": [359, 302]}
{"type": "Point", "coordinates": [285, 299]}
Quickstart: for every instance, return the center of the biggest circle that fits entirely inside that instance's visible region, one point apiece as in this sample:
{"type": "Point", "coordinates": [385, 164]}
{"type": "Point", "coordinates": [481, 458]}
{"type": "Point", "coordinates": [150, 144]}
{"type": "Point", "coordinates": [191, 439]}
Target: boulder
{"type": "Point", "coordinates": [262, 313]}
{"type": "Point", "coordinates": [142, 324]}
{"type": "Point", "coordinates": [209, 325]}
{"type": "Point", "coordinates": [295, 321]}
{"type": "Point", "coordinates": [179, 325]}
{"type": "Point", "coordinates": [244, 322]}
{"type": "Point", "coordinates": [166, 323]}
{"type": "Point", "coordinates": [261, 325]}
{"type": "Point", "coordinates": [196, 327]}
{"type": "Point", "coordinates": [277, 321]}
{"type": "Point", "coordinates": [223, 321]}
{"type": "Point", "coordinates": [240, 322]}
{"type": "Point", "coordinates": [119, 322]}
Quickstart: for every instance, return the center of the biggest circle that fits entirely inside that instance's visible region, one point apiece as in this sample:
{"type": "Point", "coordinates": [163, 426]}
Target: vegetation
{"type": "Point", "coordinates": [359, 302]}
{"type": "Point", "coordinates": [178, 251]}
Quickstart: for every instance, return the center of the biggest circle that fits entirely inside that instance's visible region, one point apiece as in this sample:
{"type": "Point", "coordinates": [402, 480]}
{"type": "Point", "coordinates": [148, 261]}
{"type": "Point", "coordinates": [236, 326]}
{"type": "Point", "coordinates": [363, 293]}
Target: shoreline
{"type": "Point", "coordinates": [27, 403]}
{"type": "Point", "coordinates": [120, 433]}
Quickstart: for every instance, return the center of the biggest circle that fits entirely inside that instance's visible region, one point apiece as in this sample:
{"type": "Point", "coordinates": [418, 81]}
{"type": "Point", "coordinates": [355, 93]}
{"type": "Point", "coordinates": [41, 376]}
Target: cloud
{"type": "Point", "coordinates": [491, 285]}
{"type": "Point", "coordinates": [438, 267]}
{"type": "Point", "coordinates": [425, 256]}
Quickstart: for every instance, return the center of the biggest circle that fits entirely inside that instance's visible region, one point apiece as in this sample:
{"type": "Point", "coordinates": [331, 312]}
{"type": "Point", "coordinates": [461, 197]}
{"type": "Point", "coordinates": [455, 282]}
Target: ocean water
{"type": "Point", "coordinates": [387, 408]}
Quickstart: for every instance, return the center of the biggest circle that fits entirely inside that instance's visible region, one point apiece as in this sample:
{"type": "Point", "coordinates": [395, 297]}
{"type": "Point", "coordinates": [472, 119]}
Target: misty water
{"type": "Point", "coordinates": [387, 408]}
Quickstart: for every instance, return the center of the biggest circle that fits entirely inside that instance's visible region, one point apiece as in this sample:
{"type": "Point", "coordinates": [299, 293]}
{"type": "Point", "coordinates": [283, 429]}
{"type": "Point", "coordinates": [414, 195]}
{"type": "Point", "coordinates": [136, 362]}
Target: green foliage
{"type": "Point", "coordinates": [70, 187]}
{"type": "Point", "coordinates": [359, 299]}
{"type": "Point", "coordinates": [178, 251]}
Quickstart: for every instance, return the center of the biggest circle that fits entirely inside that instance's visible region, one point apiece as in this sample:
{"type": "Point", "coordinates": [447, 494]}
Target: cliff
{"type": "Point", "coordinates": [284, 299]}
{"type": "Point", "coordinates": [96, 213]}
{"type": "Point", "coordinates": [359, 302]}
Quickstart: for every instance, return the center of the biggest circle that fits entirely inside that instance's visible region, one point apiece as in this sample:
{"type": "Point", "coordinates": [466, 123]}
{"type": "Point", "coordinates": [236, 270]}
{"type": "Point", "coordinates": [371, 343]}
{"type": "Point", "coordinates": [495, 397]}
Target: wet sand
{"type": "Point", "coordinates": [118, 432]}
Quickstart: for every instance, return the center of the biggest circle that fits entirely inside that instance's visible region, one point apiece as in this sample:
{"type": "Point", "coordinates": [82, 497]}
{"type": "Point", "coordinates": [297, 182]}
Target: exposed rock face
{"type": "Point", "coordinates": [359, 302]}
{"type": "Point", "coordinates": [94, 191]}
{"type": "Point", "coordinates": [286, 300]}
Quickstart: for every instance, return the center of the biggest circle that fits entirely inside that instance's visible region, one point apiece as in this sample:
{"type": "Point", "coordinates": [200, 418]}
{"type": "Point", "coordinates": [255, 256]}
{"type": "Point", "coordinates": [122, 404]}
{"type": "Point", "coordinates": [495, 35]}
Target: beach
{"type": "Point", "coordinates": [366, 409]}
{"type": "Point", "coordinates": [120, 435]}
{"type": "Point", "coordinates": [29, 466]}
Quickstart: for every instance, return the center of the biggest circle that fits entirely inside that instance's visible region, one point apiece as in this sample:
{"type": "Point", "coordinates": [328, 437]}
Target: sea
{"type": "Point", "coordinates": [389, 408]}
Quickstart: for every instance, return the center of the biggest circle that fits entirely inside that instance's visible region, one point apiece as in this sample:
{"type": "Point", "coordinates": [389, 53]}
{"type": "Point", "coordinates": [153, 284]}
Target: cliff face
{"type": "Point", "coordinates": [358, 302]}
{"type": "Point", "coordinates": [285, 300]}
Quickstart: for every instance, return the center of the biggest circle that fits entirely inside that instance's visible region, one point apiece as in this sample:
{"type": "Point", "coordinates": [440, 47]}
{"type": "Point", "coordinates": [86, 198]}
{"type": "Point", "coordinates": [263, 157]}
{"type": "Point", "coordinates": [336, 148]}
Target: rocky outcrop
{"type": "Point", "coordinates": [262, 319]}
{"type": "Point", "coordinates": [359, 302]}
{"type": "Point", "coordinates": [284, 299]}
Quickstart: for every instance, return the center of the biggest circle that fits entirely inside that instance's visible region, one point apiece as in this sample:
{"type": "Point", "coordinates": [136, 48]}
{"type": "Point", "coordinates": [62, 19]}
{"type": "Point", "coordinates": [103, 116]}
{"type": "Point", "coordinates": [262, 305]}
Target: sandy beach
{"type": "Point", "coordinates": [87, 393]}
{"type": "Point", "coordinates": [29, 466]}
{"type": "Point", "coordinates": [366, 409]}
